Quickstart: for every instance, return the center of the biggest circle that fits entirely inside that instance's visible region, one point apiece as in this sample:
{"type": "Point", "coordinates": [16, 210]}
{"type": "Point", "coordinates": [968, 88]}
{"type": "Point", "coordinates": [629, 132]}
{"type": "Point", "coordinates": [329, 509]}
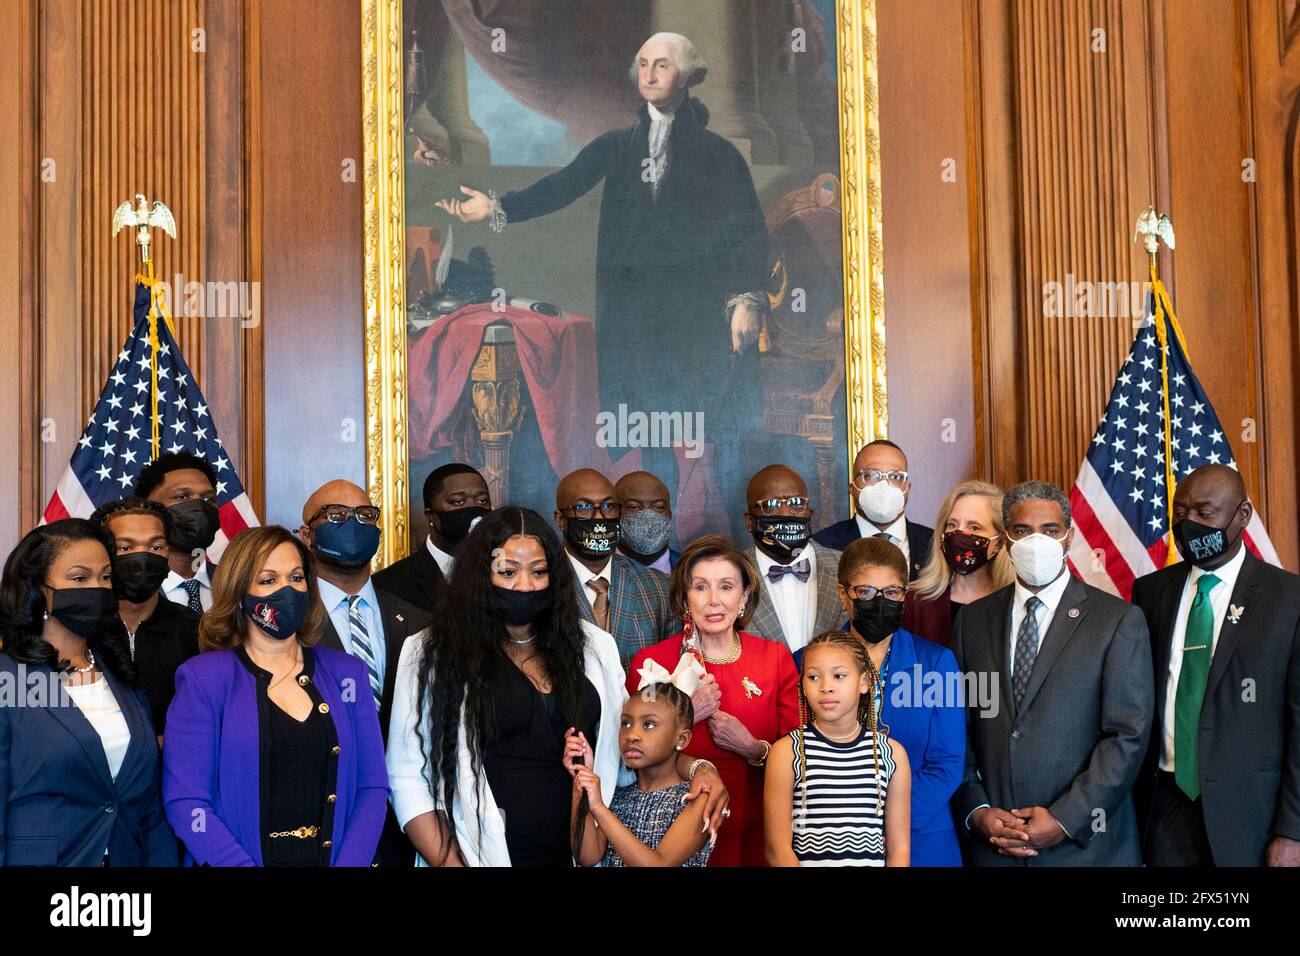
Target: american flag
{"type": "Point", "coordinates": [1120, 500]}
{"type": "Point", "coordinates": [117, 442]}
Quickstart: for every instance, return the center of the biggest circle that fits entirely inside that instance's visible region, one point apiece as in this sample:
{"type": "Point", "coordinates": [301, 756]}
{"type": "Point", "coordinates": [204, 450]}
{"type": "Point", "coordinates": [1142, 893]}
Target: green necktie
{"type": "Point", "coordinates": [1198, 644]}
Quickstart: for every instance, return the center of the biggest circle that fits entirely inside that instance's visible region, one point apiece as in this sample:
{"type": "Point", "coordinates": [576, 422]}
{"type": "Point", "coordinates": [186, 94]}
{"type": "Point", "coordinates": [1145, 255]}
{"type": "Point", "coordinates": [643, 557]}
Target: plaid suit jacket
{"type": "Point", "coordinates": [830, 614]}
{"type": "Point", "coordinates": [638, 607]}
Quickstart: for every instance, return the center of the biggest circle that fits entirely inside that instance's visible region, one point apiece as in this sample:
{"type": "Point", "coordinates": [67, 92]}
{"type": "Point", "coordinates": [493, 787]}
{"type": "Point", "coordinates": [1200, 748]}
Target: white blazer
{"type": "Point", "coordinates": [482, 835]}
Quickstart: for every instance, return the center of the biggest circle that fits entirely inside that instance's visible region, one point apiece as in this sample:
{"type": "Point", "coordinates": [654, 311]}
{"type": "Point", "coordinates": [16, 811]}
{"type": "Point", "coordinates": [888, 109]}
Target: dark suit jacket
{"type": "Point", "coordinates": [638, 607]}
{"type": "Point", "coordinates": [838, 536]}
{"type": "Point", "coordinates": [1077, 742]}
{"type": "Point", "coordinates": [401, 620]}
{"type": "Point", "coordinates": [416, 579]}
{"type": "Point", "coordinates": [1248, 741]}
{"type": "Point", "coordinates": [59, 805]}
{"type": "Point", "coordinates": [830, 614]}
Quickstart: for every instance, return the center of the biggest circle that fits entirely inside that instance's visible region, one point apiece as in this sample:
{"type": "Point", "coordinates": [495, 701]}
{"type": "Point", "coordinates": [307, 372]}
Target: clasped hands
{"type": "Point", "coordinates": [1018, 832]}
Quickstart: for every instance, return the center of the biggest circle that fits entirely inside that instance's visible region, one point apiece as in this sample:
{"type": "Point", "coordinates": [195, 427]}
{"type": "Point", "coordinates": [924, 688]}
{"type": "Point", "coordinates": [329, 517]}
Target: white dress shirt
{"type": "Point", "coordinates": [335, 600]}
{"type": "Point", "coordinates": [795, 601]}
{"type": "Point", "coordinates": [585, 574]}
{"type": "Point", "coordinates": [443, 559]}
{"type": "Point", "coordinates": [897, 532]}
{"type": "Point", "coordinates": [173, 588]}
{"type": "Point", "coordinates": [1220, 596]}
{"type": "Point", "coordinates": [1050, 596]}
{"type": "Point", "coordinates": [98, 705]}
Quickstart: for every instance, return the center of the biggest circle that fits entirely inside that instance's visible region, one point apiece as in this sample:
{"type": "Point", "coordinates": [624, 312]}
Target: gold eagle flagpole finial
{"type": "Point", "coordinates": [143, 218]}
{"type": "Point", "coordinates": [1154, 228]}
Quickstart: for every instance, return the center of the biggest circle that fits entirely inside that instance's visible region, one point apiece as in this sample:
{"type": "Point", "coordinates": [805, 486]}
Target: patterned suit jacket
{"type": "Point", "coordinates": [830, 614]}
{"type": "Point", "coordinates": [638, 607]}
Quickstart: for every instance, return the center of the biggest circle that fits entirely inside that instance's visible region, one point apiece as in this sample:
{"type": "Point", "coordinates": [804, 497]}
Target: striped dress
{"type": "Point", "coordinates": [838, 825]}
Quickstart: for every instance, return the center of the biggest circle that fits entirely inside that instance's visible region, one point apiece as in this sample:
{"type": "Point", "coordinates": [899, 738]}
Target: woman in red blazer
{"type": "Point", "coordinates": [744, 688]}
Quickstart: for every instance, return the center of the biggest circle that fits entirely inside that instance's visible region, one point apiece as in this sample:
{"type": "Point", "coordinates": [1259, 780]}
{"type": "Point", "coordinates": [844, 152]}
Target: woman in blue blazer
{"type": "Point", "coordinates": [919, 701]}
{"type": "Point", "coordinates": [273, 755]}
{"type": "Point", "coordinates": [79, 761]}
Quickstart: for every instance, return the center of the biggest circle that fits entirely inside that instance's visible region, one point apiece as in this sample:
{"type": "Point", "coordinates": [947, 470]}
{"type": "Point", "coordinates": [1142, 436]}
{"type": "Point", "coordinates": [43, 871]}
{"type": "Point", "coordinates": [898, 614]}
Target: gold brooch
{"type": "Point", "coordinates": [751, 689]}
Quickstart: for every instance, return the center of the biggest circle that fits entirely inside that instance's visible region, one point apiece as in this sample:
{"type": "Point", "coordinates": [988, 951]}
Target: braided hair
{"type": "Point", "coordinates": [866, 711]}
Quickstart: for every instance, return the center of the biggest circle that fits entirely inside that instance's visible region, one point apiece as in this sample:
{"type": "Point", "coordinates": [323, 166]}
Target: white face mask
{"type": "Point", "coordinates": [1038, 559]}
{"type": "Point", "coordinates": [881, 502]}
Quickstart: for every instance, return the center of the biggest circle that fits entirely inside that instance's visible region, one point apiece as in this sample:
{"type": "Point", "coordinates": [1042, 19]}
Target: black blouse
{"type": "Point", "coordinates": [298, 771]}
{"type": "Point", "coordinates": [522, 761]}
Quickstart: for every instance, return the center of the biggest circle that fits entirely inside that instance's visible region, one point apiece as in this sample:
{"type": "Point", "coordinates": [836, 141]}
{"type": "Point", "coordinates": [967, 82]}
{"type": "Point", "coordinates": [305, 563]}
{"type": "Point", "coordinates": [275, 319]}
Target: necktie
{"type": "Point", "coordinates": [600, 606]}
{"type": "Point", "coordinates": [361, 646]}
{"type": "Point", "coordinates": [1197, 651]}
{"type": "Point", "coordinates": [887, 536]}
{"type": "Point", "coordinates": [1026, 650]}
{"type": "Point", "coordinates": [191, 586]}
{"type": "Point", "coordinates": [800, 569]}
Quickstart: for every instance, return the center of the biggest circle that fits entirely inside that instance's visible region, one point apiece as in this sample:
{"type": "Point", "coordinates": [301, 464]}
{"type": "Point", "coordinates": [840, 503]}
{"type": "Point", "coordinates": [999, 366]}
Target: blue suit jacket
{"type": "Point", "coordinates": [923, 713]}
{"type": "Point", "coordinates": [59, 805]}
{"type": "Point", "coordinates": [839, 535]}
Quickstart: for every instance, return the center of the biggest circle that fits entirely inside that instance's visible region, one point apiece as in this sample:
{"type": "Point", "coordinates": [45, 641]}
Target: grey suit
{"type": "Point", "coordinates": [1076, 743]}
{"type": "Point", "coordinates": [830, 614]}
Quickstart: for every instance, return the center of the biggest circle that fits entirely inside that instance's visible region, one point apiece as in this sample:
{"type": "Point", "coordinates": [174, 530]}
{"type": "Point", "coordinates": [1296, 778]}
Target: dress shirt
{"type": "Point", "coordinates": [174, 590]}
{"type": "Point", "coordinates": [794, 601]}
{"type": "Point", "coordinates": [661, 128]}
{"type": "Point", "coordinates": [584, 575]}
{"type": "Point", "coordinates": [444, 560]}
{"type": "Point", "coordinates": [662, 563]}
{"type": "Point", "coordinates": [335, 600]}
{"type": "Point", "coordinates": [1050, 596]}
{"type": "Point", "coordinates": [1220, 596]}
{"type": "Point", "coordinates": [897, 532]}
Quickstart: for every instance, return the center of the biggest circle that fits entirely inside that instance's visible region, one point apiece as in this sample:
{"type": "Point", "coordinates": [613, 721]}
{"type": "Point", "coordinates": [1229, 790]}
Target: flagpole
{"type": "Point", "coordinates": [143, 218]}
{"type": "Point", "coordinates": [1154, 228]}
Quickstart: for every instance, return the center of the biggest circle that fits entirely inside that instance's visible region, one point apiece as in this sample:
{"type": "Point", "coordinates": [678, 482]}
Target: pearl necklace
{"type": "Point", "coordinates": [90, 656]}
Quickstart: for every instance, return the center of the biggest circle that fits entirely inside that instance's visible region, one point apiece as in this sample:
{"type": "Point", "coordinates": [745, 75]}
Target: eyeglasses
{"type": "Point", "coordinates": [864, 478]}
{"type": "Point", "coordinates": [865, 592]}
{"type": "Point", "coordinates": [584, 510]}
{"type": "Point", "coordinates": [337, 514]}
{"type": "Point", "coordinates": [770, 506]}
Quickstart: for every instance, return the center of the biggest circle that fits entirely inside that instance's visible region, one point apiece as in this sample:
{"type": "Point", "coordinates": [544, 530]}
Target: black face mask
{"type": "Point", "coordinates": [783, 536]}
{"type": "Point", "coordinates": [592, 538]}
{"type": "Point", "coordinates": [521, 607]}
{"type": "Point", "coordinates": [876, 619]}
{"type": "Point", "coordinates": [138, 575]}
{"type": "Point", "coordinates": [84, 611]}
{"type": "Point", "coordinates": [965, 552]}
{"type": "Point", "coordinates": [1203, 544]}
{"type": "Point", "coordinates": [455, 524]}
{"type": "Point", "coordinates": [195, 523]}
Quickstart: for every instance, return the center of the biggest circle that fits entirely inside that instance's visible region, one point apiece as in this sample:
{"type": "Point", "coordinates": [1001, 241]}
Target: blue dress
{"type": "Point", "coordinates": [648, 816]}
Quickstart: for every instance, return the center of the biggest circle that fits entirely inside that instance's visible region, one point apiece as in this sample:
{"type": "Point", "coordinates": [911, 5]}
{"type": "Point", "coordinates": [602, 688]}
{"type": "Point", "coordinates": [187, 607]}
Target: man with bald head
{"type": "Point", "coordinates": [614, 592]}
{"type": "Point", "coordinates": [798, 598]}
{"type": "Point", "coordinates": [647, 521]}
{"type": "Point", "coordinates": [341, 526]}
{"type": "Point", "coordinates": [1221, 786]}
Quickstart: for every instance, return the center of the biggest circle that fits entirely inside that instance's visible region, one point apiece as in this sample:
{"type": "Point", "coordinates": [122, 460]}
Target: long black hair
{"type": "Point", "coordinates": [22, 602]}
{"type": "Point", "coordinates": [463, 649]}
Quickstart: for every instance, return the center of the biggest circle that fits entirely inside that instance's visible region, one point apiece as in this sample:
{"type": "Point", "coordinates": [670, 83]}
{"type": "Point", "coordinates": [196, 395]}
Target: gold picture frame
{"type": "Point", "coordinates": [384, 252]}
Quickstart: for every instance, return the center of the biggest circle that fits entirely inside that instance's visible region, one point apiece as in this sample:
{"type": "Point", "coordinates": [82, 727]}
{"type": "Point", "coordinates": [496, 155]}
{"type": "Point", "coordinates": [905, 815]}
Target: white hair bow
{"type": "Point", "coordinates": [685, 676]}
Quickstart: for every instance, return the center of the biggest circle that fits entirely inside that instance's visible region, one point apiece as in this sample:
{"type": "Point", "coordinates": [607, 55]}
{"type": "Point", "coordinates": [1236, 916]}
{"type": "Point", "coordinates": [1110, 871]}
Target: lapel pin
{"type": "Point", "coordinates": [1234, 613]}
{"type": "Point", "coordinates": [1073, 612]}
{"type": "Point", "coordinates": [400, 618]}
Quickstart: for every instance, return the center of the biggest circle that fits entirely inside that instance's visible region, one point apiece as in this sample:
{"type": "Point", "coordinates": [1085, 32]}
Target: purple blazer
{"type": "Point", "coordinates": [211, 758]}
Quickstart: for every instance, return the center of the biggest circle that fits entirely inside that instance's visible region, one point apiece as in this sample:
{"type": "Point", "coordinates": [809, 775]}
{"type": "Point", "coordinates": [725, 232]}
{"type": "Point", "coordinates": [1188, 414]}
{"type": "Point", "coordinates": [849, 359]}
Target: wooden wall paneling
{"type": "Point", "coordinates": [312, 259]}
{"type": "Point", "coordinates": [926, 242]}
{"type": "Point", "coordinates": [1210, 205]}
{"type": "Point", "coordinates": [18, 432]}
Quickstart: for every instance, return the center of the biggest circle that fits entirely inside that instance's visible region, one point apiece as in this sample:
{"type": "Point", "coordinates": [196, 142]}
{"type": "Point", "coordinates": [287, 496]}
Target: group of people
{"type": "Point", "coordinates": [526, 692]}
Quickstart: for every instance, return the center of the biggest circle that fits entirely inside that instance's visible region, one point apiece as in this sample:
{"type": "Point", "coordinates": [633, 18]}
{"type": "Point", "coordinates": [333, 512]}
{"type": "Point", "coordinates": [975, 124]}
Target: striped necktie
{"type": "Point", "coordinates": [191, 586]}
{"type": "Point", "coordinates": [362, 648]}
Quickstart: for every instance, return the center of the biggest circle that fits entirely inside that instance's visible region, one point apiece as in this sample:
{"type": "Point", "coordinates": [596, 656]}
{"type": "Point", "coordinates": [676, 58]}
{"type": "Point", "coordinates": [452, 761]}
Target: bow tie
{"type": "Point", "coordinates": [800, 569]}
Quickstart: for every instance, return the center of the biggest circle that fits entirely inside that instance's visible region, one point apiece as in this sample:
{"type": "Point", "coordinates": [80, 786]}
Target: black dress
{"type": "Point", "coordinates": [522, 761]}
